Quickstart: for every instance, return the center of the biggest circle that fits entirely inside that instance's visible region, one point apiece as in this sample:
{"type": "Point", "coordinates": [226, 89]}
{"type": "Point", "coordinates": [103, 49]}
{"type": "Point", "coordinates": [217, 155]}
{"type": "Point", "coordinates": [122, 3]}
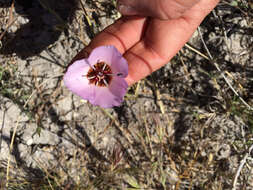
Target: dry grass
{"type": "Point", "coordinates": [187, 126]}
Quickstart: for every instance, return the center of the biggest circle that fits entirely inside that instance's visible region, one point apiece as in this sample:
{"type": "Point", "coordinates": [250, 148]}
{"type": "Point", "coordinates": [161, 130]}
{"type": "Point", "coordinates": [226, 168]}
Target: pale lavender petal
{"type": "Point", "coordinates": [118, 87]}
{"type": "Point", "coordinates": [113, 95]}
{"type": "Point", "coordinates": [119, 65]}
{"type": "Point", "coordinates": [111, 56]}
{"type": "Point", "coordinates": [75, 80]}
{"type": "Point", "coordinates": [101, 53]}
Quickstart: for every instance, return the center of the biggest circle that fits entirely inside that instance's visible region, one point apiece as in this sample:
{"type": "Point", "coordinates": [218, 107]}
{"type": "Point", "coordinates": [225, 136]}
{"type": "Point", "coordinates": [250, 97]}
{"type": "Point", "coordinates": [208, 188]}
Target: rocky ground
{"type": "Point", "coordinates": [183, 127]}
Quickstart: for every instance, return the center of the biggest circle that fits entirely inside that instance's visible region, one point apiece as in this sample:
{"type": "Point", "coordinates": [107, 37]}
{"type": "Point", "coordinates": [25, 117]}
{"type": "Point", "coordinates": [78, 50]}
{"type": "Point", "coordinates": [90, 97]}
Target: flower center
{"type": "Point", "coordinates": [100, 74]}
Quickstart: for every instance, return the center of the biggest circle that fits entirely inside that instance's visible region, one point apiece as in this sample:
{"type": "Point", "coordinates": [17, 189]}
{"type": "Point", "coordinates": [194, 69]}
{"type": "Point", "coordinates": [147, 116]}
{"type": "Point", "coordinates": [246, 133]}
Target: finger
{"type": "Point", "coordinates": [123, 34]}
{"type": "Point", "coordinates": [162, 9]}
{"type": "Point", "coordinates": [160, 45]}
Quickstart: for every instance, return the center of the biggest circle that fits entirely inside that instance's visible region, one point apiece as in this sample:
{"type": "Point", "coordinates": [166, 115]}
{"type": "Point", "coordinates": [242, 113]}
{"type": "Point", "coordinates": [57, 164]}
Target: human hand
{"type": "Point", "coordinates": [162, 9]}
{"type": "Point", "coordinates": [149, 43]}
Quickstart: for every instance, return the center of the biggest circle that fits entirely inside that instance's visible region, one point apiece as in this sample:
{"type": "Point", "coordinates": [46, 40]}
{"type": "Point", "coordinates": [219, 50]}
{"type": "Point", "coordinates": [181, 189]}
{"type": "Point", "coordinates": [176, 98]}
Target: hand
{"type": "Point", "coordinates": [149, 43]}
{"type": "Point", "coordinates": [162, 9]}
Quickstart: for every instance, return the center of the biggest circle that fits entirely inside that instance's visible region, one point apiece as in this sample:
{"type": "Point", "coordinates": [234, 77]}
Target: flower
{"type": "Point", "coordinates": [100, 78]}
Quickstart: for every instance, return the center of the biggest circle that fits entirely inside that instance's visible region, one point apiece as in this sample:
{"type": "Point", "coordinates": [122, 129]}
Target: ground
{"type": "Point", "coordinates": [187, 126]}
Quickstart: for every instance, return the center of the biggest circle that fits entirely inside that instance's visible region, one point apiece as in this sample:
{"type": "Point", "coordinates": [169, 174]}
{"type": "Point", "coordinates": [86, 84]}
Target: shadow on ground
{"type": "Point", "coordinates": [47, 19]}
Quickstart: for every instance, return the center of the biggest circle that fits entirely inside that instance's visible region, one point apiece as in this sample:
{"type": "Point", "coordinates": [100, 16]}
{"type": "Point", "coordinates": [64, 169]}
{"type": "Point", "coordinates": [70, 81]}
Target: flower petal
{"type": "Point", "coordinates": [75, 80]}
{"type": "Point", "coordinates": [119, 65]}
{"type": "Point", "coordinates": [112, 57]}
{"type": "Point", "coordinates": [113, 95]}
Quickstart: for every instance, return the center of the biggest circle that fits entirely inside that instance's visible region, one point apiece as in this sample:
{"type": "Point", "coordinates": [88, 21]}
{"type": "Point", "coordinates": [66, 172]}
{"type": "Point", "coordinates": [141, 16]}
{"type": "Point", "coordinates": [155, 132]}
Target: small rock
{"type": "Point", "coordinates": [172, 176]}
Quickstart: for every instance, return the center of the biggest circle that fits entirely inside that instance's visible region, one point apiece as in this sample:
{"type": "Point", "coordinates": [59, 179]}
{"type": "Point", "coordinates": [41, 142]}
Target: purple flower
{"type": "Point", "coordinates": [100, 77]}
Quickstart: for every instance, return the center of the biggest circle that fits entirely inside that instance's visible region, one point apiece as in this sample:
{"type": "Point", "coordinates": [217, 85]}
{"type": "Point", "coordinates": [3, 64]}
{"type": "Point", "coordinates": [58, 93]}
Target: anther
{"type": "Point", "coordinates": [105, 82]}
{"type": "Point", "coordinates": [104, 67]}
{"type": "Point", "coordinates": [92, 77]}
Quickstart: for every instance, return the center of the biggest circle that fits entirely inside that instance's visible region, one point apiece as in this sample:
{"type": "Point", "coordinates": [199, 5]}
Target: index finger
{"type": "Point", "coordinates": [123, 34]}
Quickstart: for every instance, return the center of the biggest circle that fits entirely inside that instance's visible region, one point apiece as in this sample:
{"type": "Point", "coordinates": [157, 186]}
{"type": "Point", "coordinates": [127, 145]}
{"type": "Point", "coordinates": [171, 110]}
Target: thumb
{"type": "Point", "coordinates": [162, 9]}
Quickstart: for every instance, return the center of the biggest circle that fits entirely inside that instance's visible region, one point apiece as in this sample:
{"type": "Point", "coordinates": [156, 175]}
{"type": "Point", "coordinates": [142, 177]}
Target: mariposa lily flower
{"type": "Point", "coordinates": [100, 78]}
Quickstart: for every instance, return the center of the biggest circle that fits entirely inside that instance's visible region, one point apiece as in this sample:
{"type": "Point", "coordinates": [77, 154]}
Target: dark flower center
{"type": "Point", "coordinates": [100, 74]}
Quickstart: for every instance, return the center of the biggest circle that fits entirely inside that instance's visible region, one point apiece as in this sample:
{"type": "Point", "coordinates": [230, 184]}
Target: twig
{"type": "Point", "coordinates": [117, 124]}
{"type": "Point", "coordinates": [159, 101]}
{"type": "Point", "coordinates": [11, 12]}
{"type": "Point", "coordinates": [242, 163]}
{"type": "Point", "coordinates": [41, 84]}
{"type": "Point", "coordinates": [85, 13]}
{"type": "Point", "coordinates": [196, 51]}
{"type": "Point", "coordinates": [11, 146]}
{"type": "Point", "coordinates": [10, 21]}
{"type": "Point", "coordinates": [15, 129]}
{"type": "Point", "coordinates": [224, 77]}
{"type": "Point", "coordinates": [136, 92]}
{"type": "Point", "coordinates": [9, 25]}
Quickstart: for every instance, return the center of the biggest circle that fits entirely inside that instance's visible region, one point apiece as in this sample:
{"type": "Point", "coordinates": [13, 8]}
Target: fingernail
{"type": "Point", "coordinates": [126, 9]}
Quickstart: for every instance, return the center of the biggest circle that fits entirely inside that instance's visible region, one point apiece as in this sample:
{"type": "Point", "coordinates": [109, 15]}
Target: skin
{"type": "Point", "coordinates": [148, 43]}
{"type": "Point", "coordinates": [162, 9]}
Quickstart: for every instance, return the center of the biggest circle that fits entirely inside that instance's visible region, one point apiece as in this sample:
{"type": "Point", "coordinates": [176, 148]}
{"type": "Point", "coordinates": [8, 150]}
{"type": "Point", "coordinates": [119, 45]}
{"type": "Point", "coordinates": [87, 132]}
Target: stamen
{"type": "Point", "coordinates": [92, 77]}
{"type": "Point", "coordinates": [104, 67]}
{"type": "Point", "coordinates": [105, 82]}
{"type": "Point", "coordinates": [101, 75]}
